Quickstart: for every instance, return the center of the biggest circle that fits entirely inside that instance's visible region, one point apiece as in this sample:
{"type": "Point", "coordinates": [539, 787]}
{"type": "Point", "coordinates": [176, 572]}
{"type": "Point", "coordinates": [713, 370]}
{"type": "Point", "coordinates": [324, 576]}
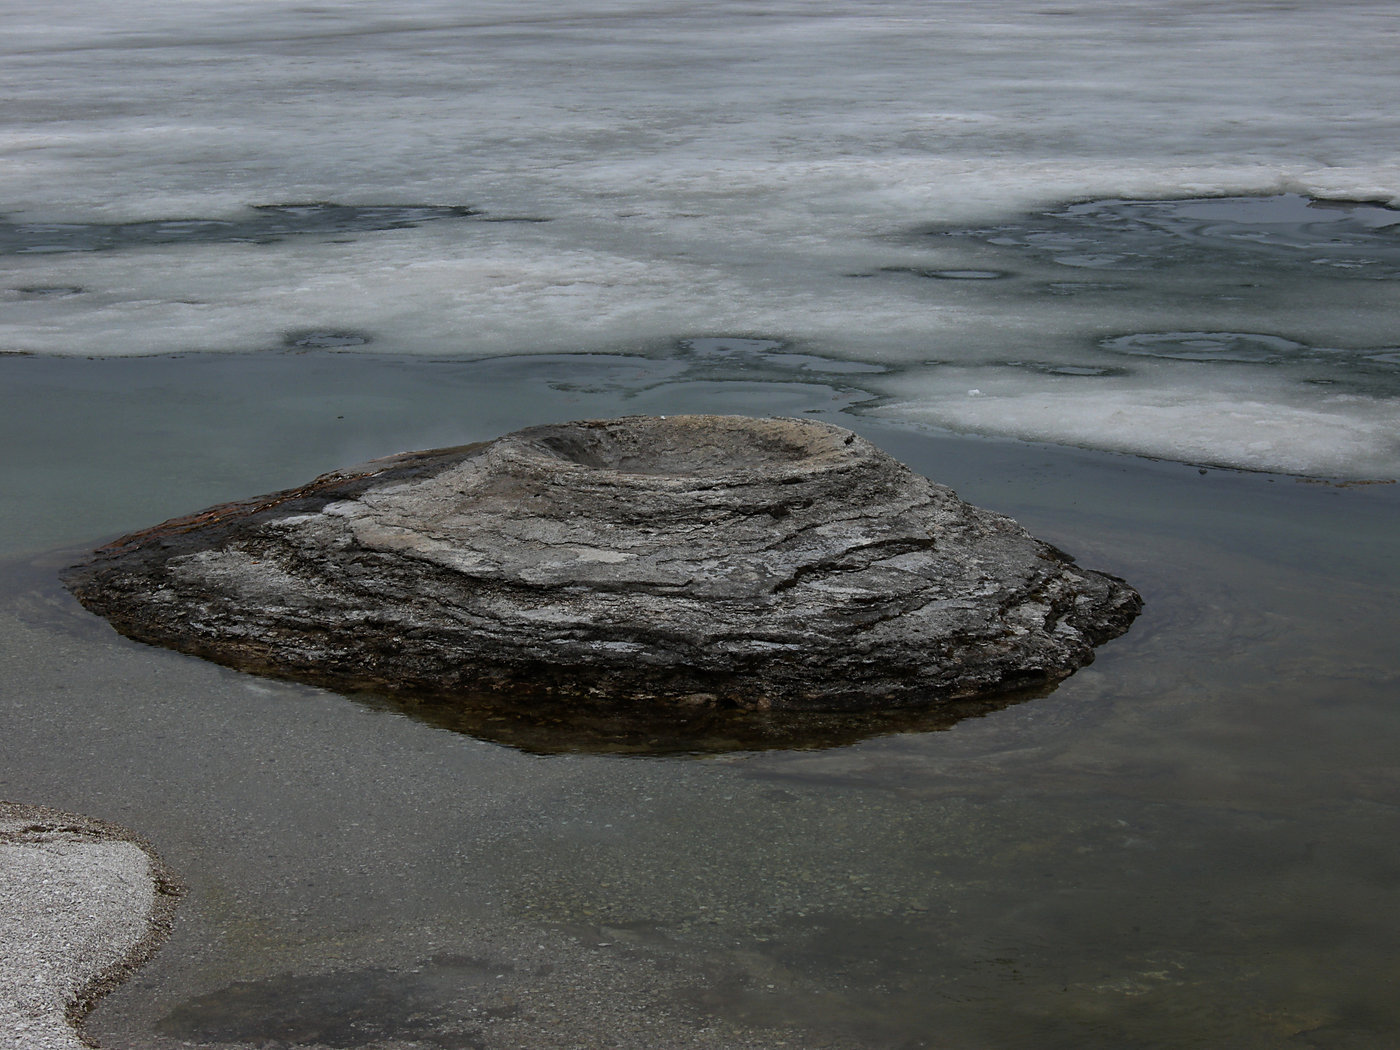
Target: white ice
{"type": "Point", "coordinates": [718, 168]}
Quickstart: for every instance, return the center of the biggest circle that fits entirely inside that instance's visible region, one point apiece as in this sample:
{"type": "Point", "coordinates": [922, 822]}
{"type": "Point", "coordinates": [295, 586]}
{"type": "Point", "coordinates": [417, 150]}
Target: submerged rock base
{"type": "Point", "coordinates": [703, 560]}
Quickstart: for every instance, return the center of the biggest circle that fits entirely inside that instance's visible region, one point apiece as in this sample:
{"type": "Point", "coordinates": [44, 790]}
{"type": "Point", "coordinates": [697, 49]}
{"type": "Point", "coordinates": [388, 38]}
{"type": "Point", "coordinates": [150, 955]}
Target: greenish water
{"type": "Point", "coordinates": [1193, 842]}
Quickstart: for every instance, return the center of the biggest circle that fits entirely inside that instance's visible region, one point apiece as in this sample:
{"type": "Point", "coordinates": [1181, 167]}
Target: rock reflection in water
{"type": "Point", "coordinates": [545, 727]}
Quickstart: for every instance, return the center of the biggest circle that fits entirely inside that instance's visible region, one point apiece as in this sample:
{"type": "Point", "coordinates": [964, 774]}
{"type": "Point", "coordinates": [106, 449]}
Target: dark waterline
{"type": "Point", "coordinates": [262, 224]}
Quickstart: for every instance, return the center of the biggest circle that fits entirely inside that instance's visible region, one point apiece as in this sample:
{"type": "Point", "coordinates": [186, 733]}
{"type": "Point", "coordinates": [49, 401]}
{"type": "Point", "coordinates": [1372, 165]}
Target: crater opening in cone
{"type": "Point", "coordinates": [685, 446]}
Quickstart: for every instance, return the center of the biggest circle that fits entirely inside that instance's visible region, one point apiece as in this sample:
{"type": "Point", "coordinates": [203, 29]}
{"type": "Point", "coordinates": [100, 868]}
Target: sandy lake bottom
{"type": "Point", "coordinates": [1193, 842]}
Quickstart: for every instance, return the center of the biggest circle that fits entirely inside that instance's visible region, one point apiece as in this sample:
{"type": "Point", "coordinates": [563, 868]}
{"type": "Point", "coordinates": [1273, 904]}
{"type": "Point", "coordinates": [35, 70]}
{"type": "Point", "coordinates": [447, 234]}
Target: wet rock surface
{"type": "Point", "coordinates": [712, 561]}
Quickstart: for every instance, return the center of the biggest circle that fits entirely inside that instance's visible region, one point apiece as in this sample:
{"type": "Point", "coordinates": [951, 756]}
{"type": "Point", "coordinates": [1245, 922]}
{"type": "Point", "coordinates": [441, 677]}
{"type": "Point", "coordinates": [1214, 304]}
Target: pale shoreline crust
{"type": "Point", "coordinates": [83, 903]}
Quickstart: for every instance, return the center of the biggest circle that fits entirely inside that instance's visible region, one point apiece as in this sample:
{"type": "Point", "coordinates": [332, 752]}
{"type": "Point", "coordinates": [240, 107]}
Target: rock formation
{"type": "Point", "coordinates": [712, 560]}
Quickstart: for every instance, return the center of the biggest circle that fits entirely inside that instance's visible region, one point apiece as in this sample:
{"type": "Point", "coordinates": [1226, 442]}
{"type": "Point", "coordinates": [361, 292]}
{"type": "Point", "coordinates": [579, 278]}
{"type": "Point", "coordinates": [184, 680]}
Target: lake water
{"type": "Point", "coordinates": [1196, 835]}
{"type": "Point", "coordinates": [1126, 272]}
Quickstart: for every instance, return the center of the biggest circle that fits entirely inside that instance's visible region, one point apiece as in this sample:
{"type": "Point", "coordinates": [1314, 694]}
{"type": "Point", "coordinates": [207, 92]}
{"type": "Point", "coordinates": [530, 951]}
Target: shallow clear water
{"type": "Point", "coordinates": [1109, 225]}
{"type": "Point", "coordinates": [1192, 840]}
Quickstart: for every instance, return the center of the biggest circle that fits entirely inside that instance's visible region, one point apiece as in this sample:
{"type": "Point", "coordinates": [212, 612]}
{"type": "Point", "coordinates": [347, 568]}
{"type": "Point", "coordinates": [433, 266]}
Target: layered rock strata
{"type": "Point", "coordinates": [718, 560]}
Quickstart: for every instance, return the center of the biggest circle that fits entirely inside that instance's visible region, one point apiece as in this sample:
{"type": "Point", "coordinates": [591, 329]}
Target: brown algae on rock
{"type": "Point", "coordinates": [711, 561]}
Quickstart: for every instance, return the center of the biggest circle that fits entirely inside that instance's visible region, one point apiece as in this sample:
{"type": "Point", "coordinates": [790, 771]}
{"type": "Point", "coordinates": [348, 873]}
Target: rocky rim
{"type": "Point", "coordinates": [701, 560]}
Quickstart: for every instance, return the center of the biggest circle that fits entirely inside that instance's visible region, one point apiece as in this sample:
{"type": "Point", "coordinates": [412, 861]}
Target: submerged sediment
{"type": "Point", "coordinates": [703, 560]}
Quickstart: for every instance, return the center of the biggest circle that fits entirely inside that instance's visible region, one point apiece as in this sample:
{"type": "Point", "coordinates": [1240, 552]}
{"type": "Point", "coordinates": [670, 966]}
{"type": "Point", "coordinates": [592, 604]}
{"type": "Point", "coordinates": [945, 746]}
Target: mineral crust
{"type": "Point", "coordinates": [717, 560]}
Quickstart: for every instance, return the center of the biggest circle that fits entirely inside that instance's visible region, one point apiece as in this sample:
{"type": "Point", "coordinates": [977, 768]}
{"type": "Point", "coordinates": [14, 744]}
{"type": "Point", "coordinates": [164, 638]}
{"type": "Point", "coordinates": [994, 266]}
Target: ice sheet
{"type": "Point", "coordinates": [647, 172]}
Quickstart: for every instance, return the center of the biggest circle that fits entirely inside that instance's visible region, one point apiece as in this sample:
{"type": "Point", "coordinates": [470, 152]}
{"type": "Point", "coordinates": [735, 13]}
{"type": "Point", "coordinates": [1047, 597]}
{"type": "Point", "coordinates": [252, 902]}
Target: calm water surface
{"type": "Point", "coordinates": [892, 214]}
{"type": "Point", "coordinates": [1193, 842]}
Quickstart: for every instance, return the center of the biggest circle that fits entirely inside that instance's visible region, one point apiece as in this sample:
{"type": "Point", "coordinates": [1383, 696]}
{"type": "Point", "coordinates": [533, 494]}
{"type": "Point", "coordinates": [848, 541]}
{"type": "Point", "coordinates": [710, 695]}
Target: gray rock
{"type": "Point", "coordinates": [710, 560]}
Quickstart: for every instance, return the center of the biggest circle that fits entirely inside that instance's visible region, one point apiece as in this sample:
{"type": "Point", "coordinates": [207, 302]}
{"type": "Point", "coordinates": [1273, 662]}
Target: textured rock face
{"type": "Point", "coordinates": [759, 563]}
